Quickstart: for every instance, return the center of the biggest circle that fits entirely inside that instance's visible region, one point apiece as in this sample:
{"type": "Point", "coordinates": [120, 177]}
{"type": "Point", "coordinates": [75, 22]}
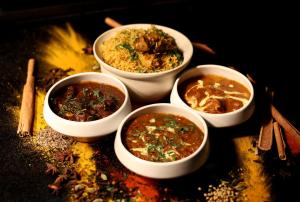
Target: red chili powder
{"type": "Point", "coordinates": [147, 187]}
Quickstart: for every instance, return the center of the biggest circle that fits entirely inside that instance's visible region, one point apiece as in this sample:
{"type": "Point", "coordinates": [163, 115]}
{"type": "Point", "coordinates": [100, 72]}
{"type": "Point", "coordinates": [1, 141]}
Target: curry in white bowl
{"type": "Point", "coordinates": [86, 101]}
{"type": "Point", "coordinates": [162, 141]}
{"type": "Point", "coordinates": [222, 96]}
{"type": "Point", "coordinates": [214, 94]}
{"type": "Point", "coordinates": [162, 137]}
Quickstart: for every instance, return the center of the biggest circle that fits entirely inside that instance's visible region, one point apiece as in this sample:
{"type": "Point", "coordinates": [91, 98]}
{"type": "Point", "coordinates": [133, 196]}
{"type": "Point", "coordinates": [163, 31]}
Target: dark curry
{"type": "Point", "coordinates": [162, 137]}
{"type": "Point", "coordinates": [214, 94]}
{"type": "Point", "coordinates": [86, 101]}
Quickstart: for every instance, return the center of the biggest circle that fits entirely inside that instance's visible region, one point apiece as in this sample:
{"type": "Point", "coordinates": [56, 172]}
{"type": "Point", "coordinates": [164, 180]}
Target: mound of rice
{"type": "Point", "coordinates": [121, 52]}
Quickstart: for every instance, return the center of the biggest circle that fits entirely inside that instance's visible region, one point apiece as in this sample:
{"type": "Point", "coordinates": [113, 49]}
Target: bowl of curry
{"type": "Point", "coordinates": [162, 141]}
{"type": "Point", "coordinates": [86, 105]}
{"type": "Point", "coordinates": [222, 96]}
{"type": "Point", "coordinates": [146, 57]}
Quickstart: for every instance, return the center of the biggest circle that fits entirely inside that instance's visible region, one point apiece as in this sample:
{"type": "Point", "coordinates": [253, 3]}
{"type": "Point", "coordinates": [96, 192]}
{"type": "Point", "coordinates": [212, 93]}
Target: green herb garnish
{"type": "Point", "coordinates": [96, 93]}
{"type": "Point", "coordinates": [178, 54]}
{"type": "Point", "coordinates": [171, 123]}
{"type": "Point", "coordinates": [151, 148]}
{"type": "Point", "coordinates": [133, 53]}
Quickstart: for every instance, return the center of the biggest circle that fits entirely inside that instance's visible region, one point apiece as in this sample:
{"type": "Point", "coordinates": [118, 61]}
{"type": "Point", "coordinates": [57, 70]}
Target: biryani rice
{"type": "Point", "coordinates": [119, 51]}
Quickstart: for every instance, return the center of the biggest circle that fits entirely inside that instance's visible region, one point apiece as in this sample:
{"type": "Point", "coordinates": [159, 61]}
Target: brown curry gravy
{"type": "Point", "coordinates": [214, 94]}
{"type": "Point", "coordinates": [161, 137]}
{"type": "Point", "coordinates": [86, 101]}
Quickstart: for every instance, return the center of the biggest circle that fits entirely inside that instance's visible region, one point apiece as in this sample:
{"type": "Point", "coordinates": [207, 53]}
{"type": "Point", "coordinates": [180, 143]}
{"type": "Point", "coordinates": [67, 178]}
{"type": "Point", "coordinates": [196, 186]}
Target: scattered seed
{"type": "Point", "coordinates": [50, 139]}
{"type": "Point", "coordinates": [78, 187]}
{"type": "Point", "coordinates": [103, 177]}
{"type": "Point", "coordinates": [98, 200]}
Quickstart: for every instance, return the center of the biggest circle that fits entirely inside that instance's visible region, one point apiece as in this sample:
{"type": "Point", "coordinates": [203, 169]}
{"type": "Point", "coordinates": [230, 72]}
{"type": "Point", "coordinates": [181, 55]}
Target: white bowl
{"type": "Point", "coordinates": [91, 130]}
{"type": "Point", "coordinates": [217, 120]}
{"type": "Point", "coordinates": [163, 170]}
{"type": "Point", "coordinates": [146, 87]}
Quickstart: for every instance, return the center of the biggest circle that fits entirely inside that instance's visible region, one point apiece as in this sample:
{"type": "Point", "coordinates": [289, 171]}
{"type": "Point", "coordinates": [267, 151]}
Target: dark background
{"type": "Point", "coordinates": [260, 39]}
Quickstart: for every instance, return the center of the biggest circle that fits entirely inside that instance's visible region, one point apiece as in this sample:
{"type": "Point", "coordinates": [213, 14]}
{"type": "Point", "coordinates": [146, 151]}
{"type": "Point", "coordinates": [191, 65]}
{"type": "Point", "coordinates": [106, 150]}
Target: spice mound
{"type": "Point", "coordinates": [214, 94]}
{"type": "Point", "coordinates": [52, 140]}
{"type": "Point", "coordinates": [86, 101]}
{"type": "Point", "coordinates": [142, 51]}
{"type": "Point", "coordinates": [162, 137]}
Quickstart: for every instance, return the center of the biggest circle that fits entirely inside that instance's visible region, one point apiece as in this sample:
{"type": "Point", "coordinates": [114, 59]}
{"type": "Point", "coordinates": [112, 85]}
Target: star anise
{"type": "Point", "coordinates": [60, 179]}
{"type": "Point", "coordinates": [69, 156]}
{"type": "Point", "coordinates": [51, 169]}
{"type": "Point", "coordinates": [55, 188]}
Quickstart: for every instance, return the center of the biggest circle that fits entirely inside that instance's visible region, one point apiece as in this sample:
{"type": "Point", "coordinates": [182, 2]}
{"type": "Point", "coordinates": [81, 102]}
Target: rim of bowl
{"type": "Point", "coordinates": [71, 77]}
{"type": "Point", "coordinates": [224, 68]}
{"type": "Point", "coordinates": [112, 31]}
{"type": "Point", "coordinates": [130, 116]}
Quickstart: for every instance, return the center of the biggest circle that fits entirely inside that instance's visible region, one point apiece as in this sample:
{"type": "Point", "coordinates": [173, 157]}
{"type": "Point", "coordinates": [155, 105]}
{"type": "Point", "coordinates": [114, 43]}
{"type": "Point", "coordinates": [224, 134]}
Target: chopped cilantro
{"type": "Point", "coordinates": [172, 123]}
{"type": "Point", "coordinates": [133, 53]}
{"type": "Point", "coordinates": [96, 93]}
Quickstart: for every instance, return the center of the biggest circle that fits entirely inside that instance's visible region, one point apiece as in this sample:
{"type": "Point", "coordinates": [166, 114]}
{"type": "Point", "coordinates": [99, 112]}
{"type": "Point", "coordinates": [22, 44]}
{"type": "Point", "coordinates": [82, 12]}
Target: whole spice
{"type": "Point", "coordinates": [52, 140]}
{"type": "Point", "coordinates": [225, 192]}
{"type": "Point", "coordinates": [65, 156]}
{"type": "Point", "coordinates": [266, 130]}
{"type": "Point", "coordinates": [203, 47]}
{"type": "Point", "coordinates": [27, 106]}
{"type": "Point", "coordinates": [279, 141]}
{"type": "Point", "coordinates": [55, 188]}
{"type": "Point", "coordinates": [111, 22]}
{"type": "Point", "coordinates": [266, 135]}
{"type": "Point", "coordinates": [51, 169]}
{"type": "Point", "coordinates": [54, 75]}
{"type": "Point", "coordinates": [291, 133]}
{"type": "Point", "coordinates": [251, 79]}
{"type": "Point", "coordinates": [60, 178]}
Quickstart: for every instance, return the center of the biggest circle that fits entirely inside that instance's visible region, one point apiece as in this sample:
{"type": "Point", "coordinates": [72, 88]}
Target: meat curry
{"type": "Point", "coordinates": [86, 101]}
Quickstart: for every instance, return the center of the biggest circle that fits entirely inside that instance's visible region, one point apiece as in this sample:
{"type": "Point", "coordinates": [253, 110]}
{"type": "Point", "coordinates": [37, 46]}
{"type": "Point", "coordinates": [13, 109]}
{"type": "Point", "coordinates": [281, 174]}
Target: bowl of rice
{"type": "Point", "coordinates": [146, 57]}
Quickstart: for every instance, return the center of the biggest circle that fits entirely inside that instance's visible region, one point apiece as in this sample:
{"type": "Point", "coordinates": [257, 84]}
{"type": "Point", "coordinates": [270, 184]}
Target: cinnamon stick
{"type": "Point", "coordinates": [111, 22]}
{"type": "Point", "coordinates": [279, 141]}
{"type": "Point", "coordinates": [27, 106]}
{"type": "Point", "coordinates": [266, 131]}
{"type": "Point", "coordinates": [284, 122]}
{"type": "Point", "coordinates": [201, 46]}
{"type": "Point", "coordinates": [251, 79]}
{"type": "Point", "coordinates": [266, 136]}
{"type": "Point", "coordinates": [292, 134]}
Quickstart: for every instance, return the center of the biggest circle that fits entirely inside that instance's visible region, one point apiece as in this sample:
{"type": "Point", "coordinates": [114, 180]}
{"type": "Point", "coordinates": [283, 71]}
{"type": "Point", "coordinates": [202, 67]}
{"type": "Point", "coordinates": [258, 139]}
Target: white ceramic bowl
{"type": "Point", "coordinates": [146, 87]}
{"type": "Point", "coordinates": [217, 120]}
{"type": "Point", "coordinates": [91, 130]}
{"type": "Point", "coordinates": [163, 170]}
